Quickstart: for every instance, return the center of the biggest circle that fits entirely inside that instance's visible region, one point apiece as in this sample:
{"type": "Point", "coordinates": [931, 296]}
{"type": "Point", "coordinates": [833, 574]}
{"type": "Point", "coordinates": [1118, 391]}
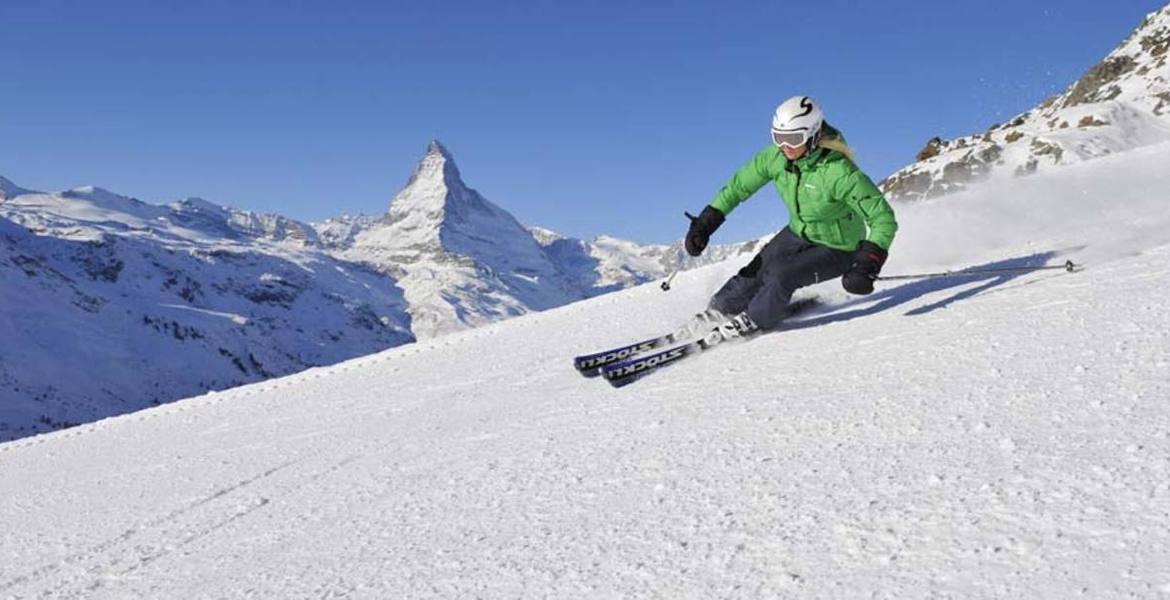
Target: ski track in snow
{"type": "Point", "coordinates": [993, 437]}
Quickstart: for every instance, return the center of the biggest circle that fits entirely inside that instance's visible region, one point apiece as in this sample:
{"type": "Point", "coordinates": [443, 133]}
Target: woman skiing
{"type": "Point", "coordinates": [839, 222]}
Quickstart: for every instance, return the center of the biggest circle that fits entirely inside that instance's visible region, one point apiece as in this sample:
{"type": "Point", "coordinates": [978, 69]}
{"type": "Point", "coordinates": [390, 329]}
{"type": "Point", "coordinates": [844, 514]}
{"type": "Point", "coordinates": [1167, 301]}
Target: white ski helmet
{"type": "Point", "coordinates": [797, 121]}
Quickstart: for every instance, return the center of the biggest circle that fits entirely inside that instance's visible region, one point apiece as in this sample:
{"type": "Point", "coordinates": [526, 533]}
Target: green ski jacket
{"type": "Point", "coordinates": [830, 201]}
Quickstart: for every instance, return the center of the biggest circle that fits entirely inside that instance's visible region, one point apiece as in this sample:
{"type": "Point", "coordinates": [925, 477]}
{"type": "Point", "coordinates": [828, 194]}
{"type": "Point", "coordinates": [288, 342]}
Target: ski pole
{"type": "Point", "coordinates": [1067, 266]}
{"type": "Point", "coordinates": [666, 284]}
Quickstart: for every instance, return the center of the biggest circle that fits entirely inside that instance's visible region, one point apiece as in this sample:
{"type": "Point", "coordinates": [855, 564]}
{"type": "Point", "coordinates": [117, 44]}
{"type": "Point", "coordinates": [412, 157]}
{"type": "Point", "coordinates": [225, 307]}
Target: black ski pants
{"type": "Point", "coordinates": [764, 287]}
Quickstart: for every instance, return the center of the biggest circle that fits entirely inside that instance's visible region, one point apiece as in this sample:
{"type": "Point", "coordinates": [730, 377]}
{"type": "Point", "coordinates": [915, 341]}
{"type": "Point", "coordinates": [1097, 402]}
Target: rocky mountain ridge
{"type": "Point", "coordinates": [1123, 102]}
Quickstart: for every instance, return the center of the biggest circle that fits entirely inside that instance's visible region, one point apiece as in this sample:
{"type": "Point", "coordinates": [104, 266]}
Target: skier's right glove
{"type": "Point", "coordinates": [701, 229]}
{"type": "Point", "coordinates": [867, 263]}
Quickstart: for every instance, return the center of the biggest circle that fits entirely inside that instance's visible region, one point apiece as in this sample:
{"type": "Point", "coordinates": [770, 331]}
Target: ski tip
{"type": "Point", "coordinates": [589, 373]}
{"type": "Point", "coordinates": [588, 365]}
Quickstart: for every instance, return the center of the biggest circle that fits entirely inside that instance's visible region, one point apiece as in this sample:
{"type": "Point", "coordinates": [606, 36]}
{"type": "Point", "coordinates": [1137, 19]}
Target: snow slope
{"type": "Point", "coordinates": [985, 437]}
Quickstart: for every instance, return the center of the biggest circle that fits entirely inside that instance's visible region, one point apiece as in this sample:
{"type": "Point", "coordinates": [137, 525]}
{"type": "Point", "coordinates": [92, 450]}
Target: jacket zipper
{"type": "Point", "coordinates": [796, 193]}
{"type": "Point", "coordinates": [796, 196]}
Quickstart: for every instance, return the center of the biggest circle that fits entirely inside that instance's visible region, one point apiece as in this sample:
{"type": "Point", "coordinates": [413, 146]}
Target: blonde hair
{"type": "Point", "coordinates": [836, 142]}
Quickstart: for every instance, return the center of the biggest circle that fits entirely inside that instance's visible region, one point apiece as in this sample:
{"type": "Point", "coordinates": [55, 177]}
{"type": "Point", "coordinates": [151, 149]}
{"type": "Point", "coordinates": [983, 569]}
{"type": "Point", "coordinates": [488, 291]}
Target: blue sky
{"type": "Point", "coordinates": [589, 118]}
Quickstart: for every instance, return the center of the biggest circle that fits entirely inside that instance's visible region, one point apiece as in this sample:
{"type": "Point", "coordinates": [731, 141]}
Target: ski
{"type": "Point", "coordinates": [590, 365]}
{"type": "Point", "coordinates": [623, 372]}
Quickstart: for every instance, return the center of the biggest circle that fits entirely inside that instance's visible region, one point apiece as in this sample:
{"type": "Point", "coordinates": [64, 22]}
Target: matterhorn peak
{"type": "Point", "coordinates": [436, 169]}
{"type": "Point", "coordinates": [436, 147]}
{"type": "Point", "coordinates": [463, 260]}
{"type": "Point", "coordinates": [435, 188]}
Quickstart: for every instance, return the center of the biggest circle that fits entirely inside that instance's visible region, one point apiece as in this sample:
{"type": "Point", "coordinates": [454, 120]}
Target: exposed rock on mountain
{"type": "Point", "coordinates": [1122, 102]}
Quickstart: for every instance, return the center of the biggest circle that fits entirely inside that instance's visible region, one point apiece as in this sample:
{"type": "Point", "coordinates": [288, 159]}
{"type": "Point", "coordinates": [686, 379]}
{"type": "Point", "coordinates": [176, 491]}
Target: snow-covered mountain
{"type": "Point", "coordinates": [1121, 103]}
{"type": "Point", "coordinates": [982, 437]}
{"type": "Point", "coordinates": [461, 260]}
{"type": "Point", "coordinates": [464, 261]}
{"type": "Point", "coordinates": [109, 305]}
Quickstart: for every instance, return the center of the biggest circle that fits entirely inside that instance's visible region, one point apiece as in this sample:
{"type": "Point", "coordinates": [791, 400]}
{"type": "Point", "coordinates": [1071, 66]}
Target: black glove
{"type": "Point", "coordinates": [701, 229]}
{"type": "Point", "coordinates": [867, 263]}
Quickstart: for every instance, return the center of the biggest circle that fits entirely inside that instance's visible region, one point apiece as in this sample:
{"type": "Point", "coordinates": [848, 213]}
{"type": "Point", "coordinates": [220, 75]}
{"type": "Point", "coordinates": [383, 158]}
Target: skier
{"type": "Point", "coordinates": [840, 224]}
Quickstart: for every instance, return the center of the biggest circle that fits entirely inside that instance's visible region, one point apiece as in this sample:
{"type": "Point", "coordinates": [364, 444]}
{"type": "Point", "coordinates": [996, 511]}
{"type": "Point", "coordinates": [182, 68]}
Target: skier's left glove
{"type": "Point", "coordinates": [867, 263]}
{"type": "Point", "coordinates": [701, 229]}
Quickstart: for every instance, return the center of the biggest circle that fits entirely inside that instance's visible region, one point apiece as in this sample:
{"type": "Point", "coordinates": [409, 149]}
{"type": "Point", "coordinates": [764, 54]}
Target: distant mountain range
{"type": "Point", "coordinates": [1123, 102]}
{"type": "Point", "coordinates": [109, 304]}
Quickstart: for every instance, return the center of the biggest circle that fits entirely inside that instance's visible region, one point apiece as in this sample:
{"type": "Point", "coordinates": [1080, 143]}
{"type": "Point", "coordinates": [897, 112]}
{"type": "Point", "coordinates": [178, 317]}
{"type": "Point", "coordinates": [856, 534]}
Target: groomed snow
{"type": "Point", "coordinates": [992, 437]}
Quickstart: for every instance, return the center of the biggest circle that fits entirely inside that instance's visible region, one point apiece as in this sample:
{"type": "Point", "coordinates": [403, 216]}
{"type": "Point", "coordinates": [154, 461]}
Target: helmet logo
{"type": "Point", "coordinates": [806, 105]}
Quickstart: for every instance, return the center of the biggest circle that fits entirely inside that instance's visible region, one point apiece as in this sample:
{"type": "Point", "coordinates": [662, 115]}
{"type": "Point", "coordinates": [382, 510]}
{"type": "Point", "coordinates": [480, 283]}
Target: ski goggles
{"type": "Point", "coordinates": [792, 138]}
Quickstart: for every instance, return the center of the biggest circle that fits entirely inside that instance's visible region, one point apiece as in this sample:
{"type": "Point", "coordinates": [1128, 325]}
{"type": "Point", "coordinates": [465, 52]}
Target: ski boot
{"type": "Point", "coordinates": [739, 326]}
{"type": "Point", "coordinates": [700, 324]}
